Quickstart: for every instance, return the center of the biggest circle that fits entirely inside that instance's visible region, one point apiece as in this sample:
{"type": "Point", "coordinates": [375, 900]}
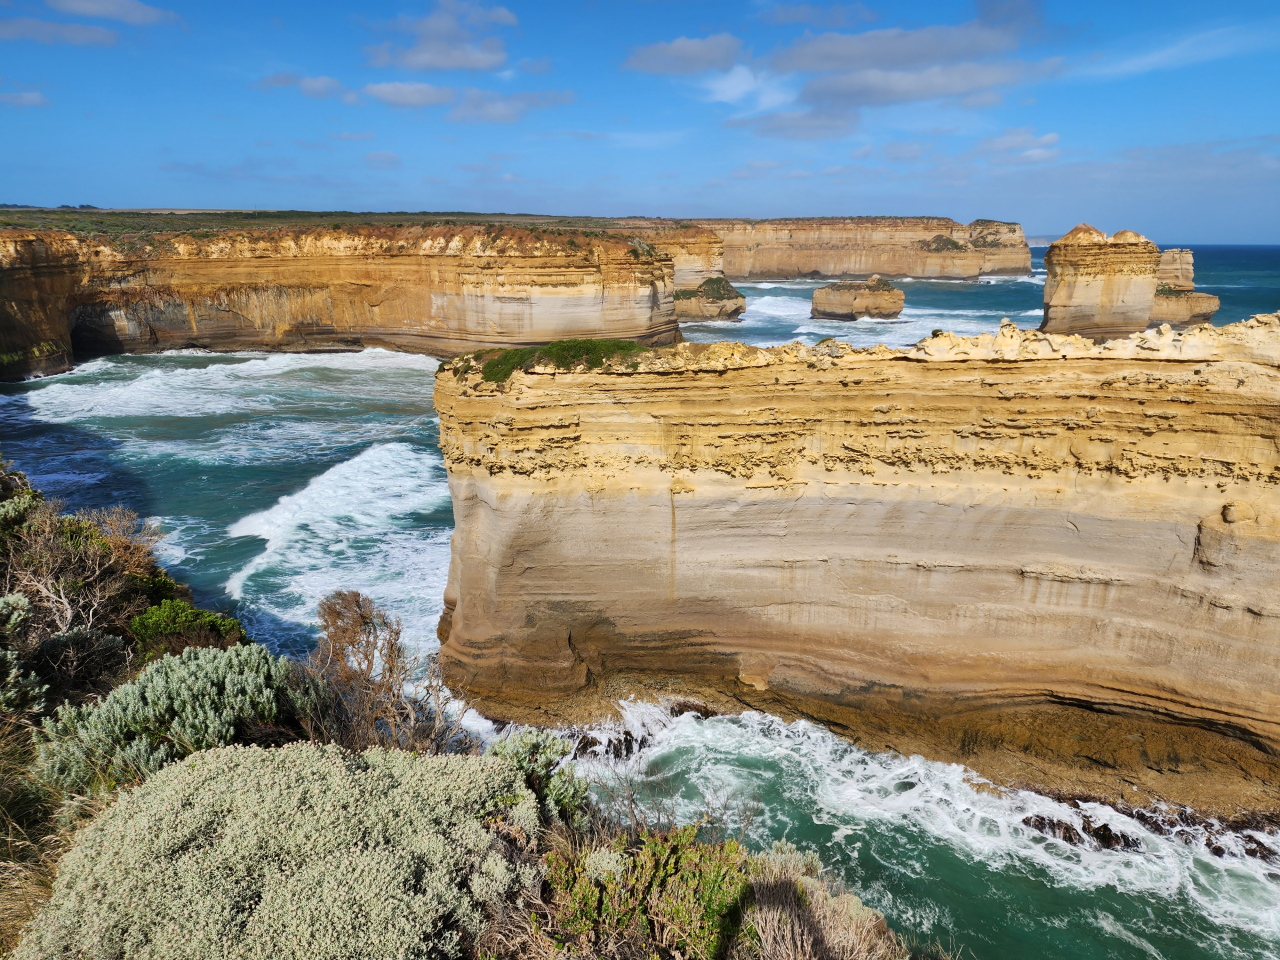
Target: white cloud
{"type": "Point", "coordinates": [1020, 145]}
{"type": "Point", "coordinates": [897, 48]}
{"type": "Point", "coordinates": [488, 106]}
{"type": "Point", "coordinates": [446, 39]}
{"type": "Point", "coordinates": [1200, 48]}
{"type": "Point", "coordinates": [801, 124]}
{"type": "Point", "coordinates": [318, 88]}
{"type": "Point", "coordinates": [126, 11]}
{"type": "Point", "coordinates": [686, 55]}
{"type": "Point", "coordinates": [29, 99]}
{"type": "Point", "coordinates": [42, 31]}
{"type": "Point", "coordinates": [876, 87]}
{"type": "Point", "coordinates": [402, 94]}
{"type": "Point", "coordinates": [383, 160]}
{"type": "Point", "coordinates": [740, 82]}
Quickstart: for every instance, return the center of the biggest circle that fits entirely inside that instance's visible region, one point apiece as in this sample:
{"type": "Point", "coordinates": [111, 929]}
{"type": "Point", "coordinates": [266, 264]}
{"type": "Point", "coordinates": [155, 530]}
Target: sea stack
{"type": "Point", "coordinates": [1098, 286]}
{"type": "Point", "coordinates": [874, 297]}
{"type": "Point", "coordinates": [1177, 302]}
{"type": "Point", "coordinates": [713, 299]}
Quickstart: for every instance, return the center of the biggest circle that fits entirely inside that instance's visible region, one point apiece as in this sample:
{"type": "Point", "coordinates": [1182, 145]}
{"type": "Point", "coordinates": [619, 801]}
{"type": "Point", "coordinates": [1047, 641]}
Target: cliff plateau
{"type": "Point", "coordinates": [856, 247]}
{"type": "Point", "coordinates": [440, 290]}
{"type": "Point", "coordinates": [1053, 560]}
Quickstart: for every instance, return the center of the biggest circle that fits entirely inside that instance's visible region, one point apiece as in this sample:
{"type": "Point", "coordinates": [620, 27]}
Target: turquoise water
{"type": "Point", "coordinates": [280, 478]}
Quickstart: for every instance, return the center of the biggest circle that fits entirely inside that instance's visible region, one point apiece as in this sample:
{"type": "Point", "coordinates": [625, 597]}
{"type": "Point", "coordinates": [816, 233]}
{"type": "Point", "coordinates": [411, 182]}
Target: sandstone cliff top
{"type": "Point", "coordinates": [1256, 340]}
{"type": "Point", "coordinates": [1083, 233]}
{"type": "Point", "coordinates": [353, 240]}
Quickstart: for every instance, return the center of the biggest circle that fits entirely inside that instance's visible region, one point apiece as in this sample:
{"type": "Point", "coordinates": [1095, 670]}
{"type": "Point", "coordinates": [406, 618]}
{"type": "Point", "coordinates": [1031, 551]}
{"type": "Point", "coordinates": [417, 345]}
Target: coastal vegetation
{"type": "Point", "coordinates": [561, 354]}
{"type": "Point", "coordinates": [217, 800]}
{"type": "Point", "coordinates": [712, 288]}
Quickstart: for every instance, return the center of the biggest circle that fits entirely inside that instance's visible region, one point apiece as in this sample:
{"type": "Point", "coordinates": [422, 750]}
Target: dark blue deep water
{"type": "Point", "coordinates": [280, 478]}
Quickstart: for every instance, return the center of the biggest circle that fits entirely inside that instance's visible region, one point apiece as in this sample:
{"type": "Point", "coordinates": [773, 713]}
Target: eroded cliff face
{"type": "Point", "coordinates": [1177, 302]}
{"type": "Point", "coordinates": [1098, 286]}
{"type": "Point", "coordinates": [856, 247]}
{"type": "Point", "coordinates": [434, 290]}
{"type": "Point", "coordinates": [1055, 561]}
{"type": "Point", "coordinates": [696, 254]}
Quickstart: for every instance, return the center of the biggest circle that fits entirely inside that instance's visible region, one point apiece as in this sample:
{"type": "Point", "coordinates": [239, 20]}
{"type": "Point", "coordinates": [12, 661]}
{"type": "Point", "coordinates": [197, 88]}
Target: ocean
{"type": "Point", "coordinates": [278, 478]}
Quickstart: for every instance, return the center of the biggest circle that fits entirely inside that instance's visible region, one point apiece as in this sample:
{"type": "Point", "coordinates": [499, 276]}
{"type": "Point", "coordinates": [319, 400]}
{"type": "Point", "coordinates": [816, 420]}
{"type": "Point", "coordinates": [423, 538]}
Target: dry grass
{"type": "Point", "coordinates": [376, 693]}
{"type": "Point", "coordinates": [29, 843]}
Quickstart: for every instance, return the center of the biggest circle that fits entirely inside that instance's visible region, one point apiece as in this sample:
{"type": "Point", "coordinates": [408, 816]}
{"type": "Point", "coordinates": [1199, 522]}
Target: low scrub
{"type": "Point", "coordinates": [296, 853]}
{"type": "Point", "coordinates": [562, 354]}
{"type": "Point", "coordinates": [202, 699]}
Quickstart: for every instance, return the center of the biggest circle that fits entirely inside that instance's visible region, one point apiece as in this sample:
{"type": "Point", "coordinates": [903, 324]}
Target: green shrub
{"type": "Point", "coordinates": [20, 690]}
{"type": "Point", "coordinates": [297, 853]}
{"type": "Point", "coordinates": [670, 889]}
{"type": "Point", "coordinates": [563, 796]}
{"type": "Point", "coordinates": [174, 625]}
{"type": "Point", "coordinates": [204, 698]}
{"type": "Point", "coordinates": [1164, 290]}
{"type": "Point", "coordinates": [562, 354]}
{"type": "Point", "coordinates": [941, 243]}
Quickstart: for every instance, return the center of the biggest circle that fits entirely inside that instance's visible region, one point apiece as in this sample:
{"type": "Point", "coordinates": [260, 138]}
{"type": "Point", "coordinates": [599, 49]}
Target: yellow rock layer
{"type": "Point", "coordinates": [1099, 286]}
{"type": "Point", "coordinates": [436, 290]}
{"type": "Point", "coordinates": [1056, 561]}
{"type": "Point", "coordinates": [856, 247]}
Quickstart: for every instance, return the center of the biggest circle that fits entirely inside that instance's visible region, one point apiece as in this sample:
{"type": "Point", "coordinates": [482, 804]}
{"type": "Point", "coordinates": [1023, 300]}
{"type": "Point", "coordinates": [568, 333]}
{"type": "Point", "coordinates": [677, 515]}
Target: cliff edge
{"type": "Point", "coordinates": [1052, 560]}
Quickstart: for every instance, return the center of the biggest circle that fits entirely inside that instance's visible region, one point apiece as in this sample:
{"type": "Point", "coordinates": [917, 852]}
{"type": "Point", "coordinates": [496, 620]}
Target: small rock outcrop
{"type": "Point", "coordinates": [1098, 286]}
{"type": "Point", "coordinates": [851, 301]}
{"type": "Point", "coordinates": [713, 299]}
{"type": "Point", "coordinates": [1177, 302]}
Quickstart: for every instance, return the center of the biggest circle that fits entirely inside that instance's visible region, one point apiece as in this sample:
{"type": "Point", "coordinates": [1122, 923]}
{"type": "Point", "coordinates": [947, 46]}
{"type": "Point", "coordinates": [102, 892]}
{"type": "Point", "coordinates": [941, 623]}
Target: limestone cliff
{"type": "Point", "coordinates": [1177, 269]}
{"type": "Point", "coordinates": [1099, 286]}
{"type": "Point", "coordinates": [440, 290]}
{"type": "Point", "coordinates": [1183, 308]}
{"type": "Point", "coordinates": [856, 247]}
{"type": "Point", "coordinates": [697, 255]}
{"type": "Point", "coordinates": [850, 301]}
{"type": "Point", "coordinates": [1055, 561]}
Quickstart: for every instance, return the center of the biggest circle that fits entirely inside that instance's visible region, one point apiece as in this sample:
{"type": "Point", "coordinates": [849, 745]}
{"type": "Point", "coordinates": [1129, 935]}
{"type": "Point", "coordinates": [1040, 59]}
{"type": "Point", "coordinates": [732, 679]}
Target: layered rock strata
{"type": "Point", "coordinates": [714, 299]}
{"type": "Point", "coordinates": [857, 247]}
{"type": "Point", "coordinates": [851, 301]}
{"type": "Point", "coordinates": [1098, 286]}
{"type": "Point", "coordinates": [438, 290]}
{"type": "Point", "coordinates": [696, 255]}
{"type": "Point", "coordinates": [1055, 561]}
{"type": "Point", "coordinates": [1177, 302]}
{"type": "Point", "coordinates": [1176, 270]}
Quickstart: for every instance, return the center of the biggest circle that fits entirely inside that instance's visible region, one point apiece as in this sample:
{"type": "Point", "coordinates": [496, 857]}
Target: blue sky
{"type": "Point", "coordinates": [1160, 117]}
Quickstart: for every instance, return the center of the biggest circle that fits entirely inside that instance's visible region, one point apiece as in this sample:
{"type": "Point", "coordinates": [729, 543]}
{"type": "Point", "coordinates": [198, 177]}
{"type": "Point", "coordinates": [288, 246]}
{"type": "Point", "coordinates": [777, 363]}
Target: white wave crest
{"type": "Point", "coordinates": [352, 528]}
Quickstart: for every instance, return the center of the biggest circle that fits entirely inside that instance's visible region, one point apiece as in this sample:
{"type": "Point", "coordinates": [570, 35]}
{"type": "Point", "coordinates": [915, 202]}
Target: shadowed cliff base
{"type": "Point", "coordinates": [1053, 560]}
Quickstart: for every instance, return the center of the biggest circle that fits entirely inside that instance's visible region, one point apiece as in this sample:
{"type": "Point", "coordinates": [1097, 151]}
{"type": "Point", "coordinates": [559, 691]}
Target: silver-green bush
{"type": "Point", "coordinates": [296, 853]}
{"type": "Point", "coordinates": [176, 706]}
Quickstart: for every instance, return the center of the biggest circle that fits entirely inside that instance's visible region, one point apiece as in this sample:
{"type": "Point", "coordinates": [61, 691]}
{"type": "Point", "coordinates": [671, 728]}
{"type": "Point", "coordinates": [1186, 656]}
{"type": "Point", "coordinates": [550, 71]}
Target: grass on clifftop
{"type": "Point", "coordinates": [563, 354]}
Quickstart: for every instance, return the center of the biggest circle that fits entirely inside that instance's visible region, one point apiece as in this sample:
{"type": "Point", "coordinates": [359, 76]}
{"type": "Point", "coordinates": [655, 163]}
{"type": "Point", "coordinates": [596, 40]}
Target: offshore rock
{"type": "Point", "coordinates": [1098, 286]}
{"type": "Point", "coordinates": [1052, 560]}
{"type": "Point", "coordinates": [849, 301]}
{"type": "Point", "coordinates": [1176, 301]}
{"type": "Point", "coordinates": [857, 247]}
{"type": "Point", "coordinates": [714, 299]}
{"type": "Point", "coordinates": [438, 290]}
{"type": "Point", "coordinates": [1183, 309]}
